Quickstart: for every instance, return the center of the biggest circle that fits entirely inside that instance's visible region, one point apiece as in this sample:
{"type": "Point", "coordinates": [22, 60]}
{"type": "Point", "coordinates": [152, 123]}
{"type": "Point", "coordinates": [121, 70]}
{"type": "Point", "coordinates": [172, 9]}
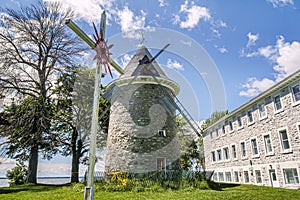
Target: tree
{"type": "Point", "coordinates": [189, 152]}
{"type": "Point", "coordinates": [75, 104]}
{"type": "Point", "coordinates": [215, 116]}
{"type": "Point", "coordinates": [34, 48]}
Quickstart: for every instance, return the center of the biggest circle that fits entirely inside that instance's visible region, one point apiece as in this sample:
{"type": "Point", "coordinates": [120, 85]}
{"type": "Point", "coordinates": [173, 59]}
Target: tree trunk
{"type": "Point", "coordinates": [33, 164]}
{"type": "Point", "coordinates": [76, 151]}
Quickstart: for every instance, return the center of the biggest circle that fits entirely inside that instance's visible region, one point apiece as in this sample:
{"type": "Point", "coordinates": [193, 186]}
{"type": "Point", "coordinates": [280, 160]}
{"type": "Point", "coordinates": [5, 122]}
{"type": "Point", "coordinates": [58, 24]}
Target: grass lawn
{"type": "Point", "coordinates": [227, 191]}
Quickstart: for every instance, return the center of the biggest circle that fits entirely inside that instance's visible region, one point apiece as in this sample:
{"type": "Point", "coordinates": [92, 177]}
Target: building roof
{"type": "Point", "coordinates": [139, 65]}
{"type": "Point", "coordinates": [283, 83]}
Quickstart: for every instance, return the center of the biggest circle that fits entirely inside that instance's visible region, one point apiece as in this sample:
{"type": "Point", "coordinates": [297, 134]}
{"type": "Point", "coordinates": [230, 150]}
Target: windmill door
{"type": "Point", "coordinates": [161, 164]}
{"type": "Point", "coordinates": [273, 178]}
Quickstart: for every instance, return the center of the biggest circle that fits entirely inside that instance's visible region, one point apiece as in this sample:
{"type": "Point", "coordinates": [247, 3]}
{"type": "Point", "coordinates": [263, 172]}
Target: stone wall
{"type": "Point", "coordinates": [133, 143]}
{"type": "Point", "coordinates": [287, 119]}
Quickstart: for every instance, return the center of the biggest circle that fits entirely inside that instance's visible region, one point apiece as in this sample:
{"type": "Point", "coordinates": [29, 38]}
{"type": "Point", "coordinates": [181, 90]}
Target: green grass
{"type": "Point", "coordinates": [226, 191]}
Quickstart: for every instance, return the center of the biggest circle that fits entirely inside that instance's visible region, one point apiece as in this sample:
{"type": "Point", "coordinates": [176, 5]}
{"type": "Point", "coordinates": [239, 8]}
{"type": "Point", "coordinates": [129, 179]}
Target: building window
{"type": "Point", "coordinates": [215, 177]}
{"type": "Point", "coordinates": [243, 148]}
{"type": "Point", "coordinates": [254, 147]}
{"type": "Point", "coordinates": [233, 151]}
{"type": "Point", "coordinates": [284, 140]}
{"type": "Point", "coordinates": [246, 176]}
{"type": "Point", "coordinates": [213, 156]}
{"type": "Point", "coordinates": [239, 120]}
{"type": "Point", "coordinates": [258, 176]}
{"type": "Point", "coordinates": [217, 133]}
{"type": "Point", "coordinates": [250, 117]}
{"type": "Point", "coordinates": [291, 176]}
{"type": "Point", "coordinates": [230, 126]}
{"type": "Point", "coordinates": [277, 103]}
{"type": "Point", "coordinates": [236, 176]}
{"type": "Point", "coordinates": [228, 176]}
{"type": "Point", "coordinates": [211, 136]}
{"type": "Point", "coordinates": [161, 133]}
{"type": "Point", "coordinates": [221, 176]}
{"type": "Point", "coordinates": [268, 144]}
{"type": "Point", "coordinates": [296, 93]}
{"type": "Point", "coordinates": [262, 111]}
{"type": "Point", "coordinates": [226, 153]}
{"type": "Point", "coordinates": [219, 155]}
{"type": "Point", "coordinates": [161, 163]}
{"type": "Point", "coordinates": [223, 130]}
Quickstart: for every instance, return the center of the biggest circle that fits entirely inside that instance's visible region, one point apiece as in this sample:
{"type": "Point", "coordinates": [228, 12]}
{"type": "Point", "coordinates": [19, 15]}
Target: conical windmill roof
{"type": "Point", "coordinates": [140, 70]}
{"type": "Point", "coordinates": [136, 68]}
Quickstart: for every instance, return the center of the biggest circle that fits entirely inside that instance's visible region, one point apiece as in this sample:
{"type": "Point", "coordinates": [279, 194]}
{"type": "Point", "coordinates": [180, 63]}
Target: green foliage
{"type": "Point", "coordinates": [17, 175]}
{"type": "Point", "coordinates": [225, 192]}
{"type": "Point", "coordinates": [215, 116]}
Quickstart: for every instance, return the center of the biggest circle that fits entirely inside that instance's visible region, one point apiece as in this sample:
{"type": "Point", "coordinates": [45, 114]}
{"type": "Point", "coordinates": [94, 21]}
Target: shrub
{"type": "Point", "coordinates": [17, 175]}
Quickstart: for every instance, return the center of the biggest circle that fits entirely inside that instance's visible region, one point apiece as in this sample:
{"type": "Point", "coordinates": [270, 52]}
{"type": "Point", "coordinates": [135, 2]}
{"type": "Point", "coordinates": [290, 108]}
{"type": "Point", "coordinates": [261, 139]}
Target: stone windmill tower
{"type": "Point", "coordinates": [142, 128]}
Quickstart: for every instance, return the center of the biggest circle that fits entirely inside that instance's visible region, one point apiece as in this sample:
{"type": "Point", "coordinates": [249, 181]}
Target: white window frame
{"type": "Point", "coordinates": [248, 177]}
{"type": "Point", "coordinates": [217, 133]}
{"type": "Point", "coordinates": [243, 156]}
{"type": "Point", "coordinates": [293, 95]}
{"type": "Point", "coordinates": [221, 173]}
{"type": "Point", "coordinates": [232, 152]}
{"type": "Point", "coordinates": [252, 116]}
{"type": "Point", "coordinates": [237, 121]}
{"type": "Point", "coordinates": [228, 156]}
{"type": "Point", "coordinates": [162, 133]}
{"type": "Point", "coordinates": [230, 176]}
{"type": "Point", "coordinates": [271, 143]}
{"type": "Point", "coordinates": [219, 157]}
{"type": "Point", "coordinates": [256, 177]}
{"type": "Point", "coordinates": [275, 109]}
{"type": "Point", "coordinates": [236, 176]}
{"type": "Point", "coordinates": [259, 111]}
{"type": "Point", "coordinates": [288, 140]}
{"type": "Point", "coordinates": [231, 126]}
{"type": "Point", "coordinates": [252, 148]}
{"type": "Point", "coordinates": [212, 157]}
{"type": "Point", "coordinates": [294, 177]}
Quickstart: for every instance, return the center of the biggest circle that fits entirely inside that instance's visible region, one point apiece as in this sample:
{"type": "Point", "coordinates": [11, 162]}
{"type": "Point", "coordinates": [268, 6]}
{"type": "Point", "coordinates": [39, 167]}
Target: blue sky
{"type": "Point", "coordinates": [252, 44]}
{"type": "Point", "coordinates": [222, 53]}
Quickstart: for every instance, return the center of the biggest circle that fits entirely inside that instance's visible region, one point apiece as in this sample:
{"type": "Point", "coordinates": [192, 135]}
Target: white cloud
{"type": "Point", "coordinates": [277, 3]}
{"type": "Point", "coordinates": [254, 87]}
{"type": "Point", "coordinates": [252, 38]}
{"type": "Point", "coordinates": [173, 64]}
{"type": "Point", "coordinates": [194, 14]}
{"type": "Point", "coordinates": [187, 43]}
{"type": "Point", "coordinates": [131, 25]}
{"type": "Point", "coordinates": [286, 60]}
{"type": "Point", "coordinates": [222, 50]}
{"type": "Point", "coordinates": [161, 3]}
{"type": "Point", "coordinates": [125, 60]}
{"type": "Point", "coordinates": [88, 10]}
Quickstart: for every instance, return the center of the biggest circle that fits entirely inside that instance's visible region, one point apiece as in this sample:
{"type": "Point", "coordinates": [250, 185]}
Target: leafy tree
{"type": "Point", "coordinates": [74, 115]}
{"type": "Point", "coordinates": [215, 116]}
{"type": "Point", "coordinates": [18, 174]}
{"type": "Point", "coordinates": [189, 151]}
{"type": "Point", "coordinates": [34, 48]}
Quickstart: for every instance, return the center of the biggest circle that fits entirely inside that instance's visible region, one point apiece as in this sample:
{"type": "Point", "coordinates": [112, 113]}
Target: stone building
{"type": "Point", "coordinates": [142, 128]}
{"type": "Point", "coordinates": [259, 142]}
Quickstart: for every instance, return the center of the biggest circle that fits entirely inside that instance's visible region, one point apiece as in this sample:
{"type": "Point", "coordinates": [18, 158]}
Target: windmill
{"type": "Point", "coordinates": [103, 61]}
{"type": "Point", "coordinates": [170, 102]}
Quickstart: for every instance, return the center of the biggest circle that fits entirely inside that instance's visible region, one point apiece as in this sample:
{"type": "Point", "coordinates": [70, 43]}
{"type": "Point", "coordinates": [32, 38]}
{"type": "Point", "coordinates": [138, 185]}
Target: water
{"type": "Point", "coordinates": [42, 180]}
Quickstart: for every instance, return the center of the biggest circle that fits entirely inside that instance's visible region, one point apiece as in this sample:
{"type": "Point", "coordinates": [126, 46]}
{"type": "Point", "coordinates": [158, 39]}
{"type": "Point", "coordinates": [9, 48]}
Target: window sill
{"type": "Point", "coordinates": [262, 118]}
{"type": "Point", "coordinates": [239, 128]}
{"type": "Point", "coordinates": [295, 103]}
{"type": "Point", "coordinates": [278, 111]}
{"type": "Point", "coordinates": [244, 158]}
{"type": "Point", "coordinates": [231, 131]}
{"type": "Point", "coordinates": [287, 151]}
{"type": "Point", "coordinates": [250, 123]}
{"type": "Point", "coordinates": [255, 156]}
{"type": "Point", "coordinates": [270, 154]}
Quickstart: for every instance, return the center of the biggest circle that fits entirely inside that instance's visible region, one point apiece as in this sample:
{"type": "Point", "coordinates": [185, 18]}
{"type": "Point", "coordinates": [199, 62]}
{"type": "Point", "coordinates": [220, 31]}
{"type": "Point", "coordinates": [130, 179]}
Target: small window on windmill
{"type": "Point", "coordinates": [162, 133]}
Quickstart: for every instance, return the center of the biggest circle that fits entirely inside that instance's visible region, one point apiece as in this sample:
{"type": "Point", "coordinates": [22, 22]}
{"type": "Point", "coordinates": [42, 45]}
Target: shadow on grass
{"type": "Point", "coordinates": [30, 187]}
{"type": "Point", "coordinates": [221, 186]}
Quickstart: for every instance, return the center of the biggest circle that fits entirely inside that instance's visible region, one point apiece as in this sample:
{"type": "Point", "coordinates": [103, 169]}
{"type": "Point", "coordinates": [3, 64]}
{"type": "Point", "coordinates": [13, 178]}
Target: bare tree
{"type": "Point", "coordinates": [35, 48]}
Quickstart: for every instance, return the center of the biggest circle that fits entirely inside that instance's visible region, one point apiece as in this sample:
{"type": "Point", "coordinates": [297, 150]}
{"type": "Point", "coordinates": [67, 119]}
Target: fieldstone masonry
{"type": "Point", "coordinates": [282, 164]}
{"type": "Point", "coordinates": [137, 114]}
